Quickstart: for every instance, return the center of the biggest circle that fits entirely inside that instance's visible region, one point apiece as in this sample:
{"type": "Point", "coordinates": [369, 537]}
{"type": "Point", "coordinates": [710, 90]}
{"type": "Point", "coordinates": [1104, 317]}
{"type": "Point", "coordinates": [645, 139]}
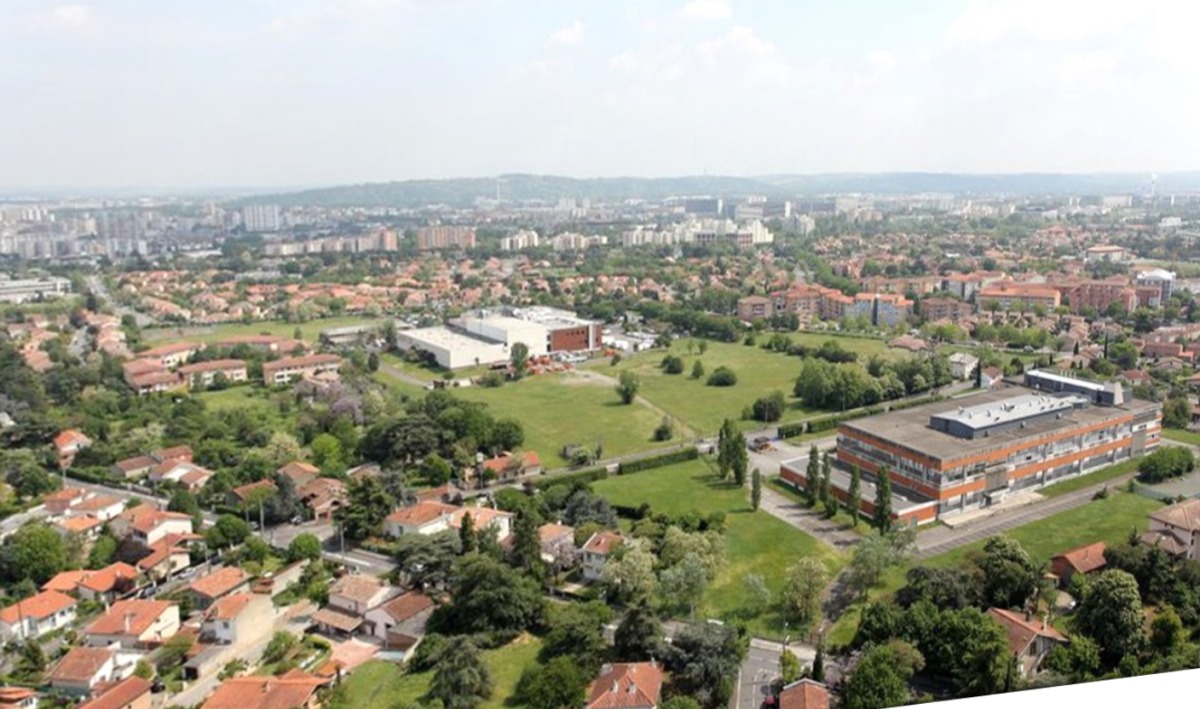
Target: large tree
{"type": "Point", "coordinates": [1009, 575]}
{"type": "Point", "coordinates": [366, 509]}
{"type": "Point", "coordinates": [427, 561]}
{"type": "Point", "coordinates": [461, 679]}
{"type": "Point", "coordinates": [628, 385]}
{"type": "Point", "coordinates": [1110, 613]}
{"type": "Point", "coordinates": [883, 500]}
{"type": "Point", "coordinates": [854, 494]}
{"type": "Point", "coordinates": [557, 684]}
{"type": "Point", "coordinates": [576, 631]}
{"type": "Point", "coordinates": [755, 489]}
{"type": "Point", "coordinates": [878, 680]}
{"type": "Point", "coordinates": [812, 475]}
{"type": "Point", "coordinates": [682, 585]}
{"type": "Point", "coordinates": [704, 661]}
{"type": "Point", "coordinates": [801, 596]}
{"type": "Point", "coordinates": [629, 573]}
{"type": "Point", "coordinates": [526, 553]}
{"type": "Point", "coordinates": [639, 635]}
{"type": "Point", "coordinates": [488, 595]}
{"type": "Point", "coordinates": [519, 359]}
{"type": "Point", "coordinates": [35, 552]}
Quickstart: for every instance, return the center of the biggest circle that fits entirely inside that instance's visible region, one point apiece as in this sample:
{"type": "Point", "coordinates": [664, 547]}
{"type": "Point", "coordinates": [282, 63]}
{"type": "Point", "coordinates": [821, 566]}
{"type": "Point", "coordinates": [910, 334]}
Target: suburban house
{"type": "Point", "coordinates": [180, 452]}
{"type": "Point", "coordinates": [37, 615]}
{"type": "Point", "coordinates": [558, 545]}
{"type": "Point", "coordinates": [282, 371]}
{"type": "Point", "coordinates": [322, 496]}
{"type": "Point", "coordinates": [181, 472]}
{"type": "Point", "coordinates": [207, 589]}
{"type": "Point", "coordinates": [238, 619]}
{"type": "Point", "coordinates": [242, 494]}
{"type": "Point", "coordinates": [299, 473]}
{"type": "Point", "coordinates": [129, 693]}
{"type": "Point", "coordinates": [168, 556]}
{"type": "Point", "coordinates": [804, 694]}
{"type": "Point", "coordinates": [148, 525]}
{"type": "Point", "coordinates": [633, 685]}
{"type": "Point", "coordinates": [962, 365]}
{"type": "Point", "coordinates": [87, 527]}
{"type": "Point", "coordinates": [103, 585]}
{"type": "Point", "coordinates": [102, 507]}
{"type": "Point", "coordinates": [991, 377]}
{"type": "Point", "coordinates": [508, 466]}
{"type": "Point", "coordinates": [1180, 523]}
{"type": "Point", "coordinates": [484, 518]}
{"type": "Point", "coordinates": [425, 517]}
{"type": "Point", "coordinates": [1083, 561]}
{"type": "Point", "coordinates": [68, 443]}
{"type": "Point", "coordinates": [1030, 640]}
{"type": "Point", "coordinates": [136, 623]}
{"type": "Point", "coordinates": [84, 668]}
{"type": "Point", "coordinates": [60, 501]}
{"type": "Point", "coordinates": [18, 698]}
{"type": "Point", "coordinates": [350, 600]}
{"type": "Point", "coordinates": [400, 622]}
{"type": "Point", "coordinates": [295, 689]}
{"type": "Point", "coordinates": [596, 551]}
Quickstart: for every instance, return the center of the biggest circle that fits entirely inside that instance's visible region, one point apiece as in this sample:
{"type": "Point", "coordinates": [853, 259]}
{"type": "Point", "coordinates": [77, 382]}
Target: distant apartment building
{"type": "Point", "coordinates": [1016, 296]}
{"type": "Point", "coordinates": [30, 289]}
{"type": "Point", "coordinates": [433, 238]}
{"type": "Point", "coordinates": [882, 309]}
{"type": "Point", "coordinates": [1100, 295]}
{"type": "Point", "coordinates": [203, 374]}
{"type": "Point", "coordinates": [282, 371]}
{"type": "Point", "coordinates": [1157, 278]}
{"type": "Point", "coordinates": [523, 239]}
{"type": "Point", "coordinates": [259, 218]}
{"type": "Point", "coordinates": [705, 232]}
{"type": "Point", "coordinates": [754, 307]}
{"type": "Point", "coordinates": [950, 309]}
{"type": "Point", "coordinates": [1115, 254]}
{"type": "Point", "coordinates": [571, 241]}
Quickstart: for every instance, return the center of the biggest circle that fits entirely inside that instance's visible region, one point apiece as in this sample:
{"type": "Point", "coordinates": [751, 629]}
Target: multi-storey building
{"type": "Point", "coordinates": [966, 453]}
{"type": "Point", "coordinates": [946, 309]}
{"type": "Point", "coordinates": [282, 371]}
{"type": "Point", "coordinates": [1014, 296]}
{"type": "Point", "coordinates": [261, 218]}
{"type": "Point", "coordinates": [431, 238]}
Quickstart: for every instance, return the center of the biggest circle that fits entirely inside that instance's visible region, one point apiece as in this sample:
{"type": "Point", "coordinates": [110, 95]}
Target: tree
{"type": "Point", "coordinates": [462, 679]}
{"type": "Point", "coordinates": [883, 500]}
{"type": "Point", "coordinates": [427, 561]}
{"type": "Point", "coordinates": [702, 346]}
{"type": "Point", "coordinates": [373, 362]}
{"type": "Point", "coordinates": [770, 408]}
{"type": "Point", "coordinates": [1110, 613]}
{"type": "Point", "coordinates": [489, 596]}
{"type": "Point", "coordinates": [789, 667]}
{"type": "Point", "coordinates": [628, 385]}
{"type": "Point", "coordinates": [32, 661]}
{"type": "Point", "coordinates": [812, 475]}
{"type": "Point", "coordinates": [672, 364]}
{"type": "Point", "coordinates": [327, 453]}
{"type": "Point", "coordinates": [280, 647]}
{"type": "Point", "coordinates": [367, 506]}
{"type": "Point", "coordinates": [185, 502]}
{"type": "Point", "coordinates": [683, 584]}
{"type": "Point", "coordinates": [755, 489]}
{"type": "Point", "coordinates": [1009, 575]}
{"type": "Point", "coordinates": [825, 489]}
{"type": "Point", "coordinates": [1177, 412]}
{"type": "Point", "coordinates": [704, 660]}
{"type": "Point", "coordinates": [697, 370]}
{"type": "Point", "coordinates": [576, 631]}
{"type": "Point", "coordinates": [722, 376]}
{"type": "Point", "coordinates": [949, 588]}
{"type": "Point", "coordinates": [818, 665]}
{"type": "Point", "coordinates": [519, 359]}
{"type": "Point", "coordinates": [801, 596]}
{"type": "Point", "coordinates": [729, 440]}
{"type": "Point", "coordinates": [526, 552]}
{"type": "Point", "coordinates": [35, 552]}
{"type": "Point", "coordinates": [639, 635]}
{"type": "Point", "coordinates": [758, 596]}
{"type": "Point", "coordinates": [854, 494]}
{"type": "Point", "coordinates": [435, 470]}
{"type": "Point", "coordinates": [739, 459]}
{"type": "Point", "coordinates": [665, 430]}
{"type": "Point", "coordinates": [229, 531]}
{"type": "Point", "coordinates": [559, 683]}
{"type": "Point", "coordinates": [629, 573]}
{"type": "Point", "coordinates": [304, 546]}
{"type": "Point", "coordinates": [467, 540]}
{"type": "Point", "coordinates": [874, 555]}
{"type": "Point", "coordinates": [879, 680]}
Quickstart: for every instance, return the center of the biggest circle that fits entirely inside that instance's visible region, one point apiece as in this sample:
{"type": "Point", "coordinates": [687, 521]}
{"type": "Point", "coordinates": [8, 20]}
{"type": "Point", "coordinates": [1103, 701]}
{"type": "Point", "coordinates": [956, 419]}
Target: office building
{"type": "Point", "coordinates": [258, 218]}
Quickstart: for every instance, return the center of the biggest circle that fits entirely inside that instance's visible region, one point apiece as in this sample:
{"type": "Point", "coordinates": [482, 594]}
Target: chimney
{"type": "Point", "coordinates": [127, 619]}
{"type": "Point", "coordinates": [1028, 615]}
{"type": "Point", "coordinates": [616, 687]}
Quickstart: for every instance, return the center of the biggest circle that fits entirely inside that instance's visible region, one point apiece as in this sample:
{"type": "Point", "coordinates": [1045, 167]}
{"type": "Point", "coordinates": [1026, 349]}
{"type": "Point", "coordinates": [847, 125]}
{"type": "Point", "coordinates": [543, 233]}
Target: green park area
{"type": "Point", "coordinates": [382, 685]}
{"type": "Point", "coordinates": [1108, 520]}
{"type": "Point", "coordinates": [310, 331]}
{"type": "Point", "coordinates": [759, 372]}
{"type": "Point", "coordinates": [755, 542]}
{"type": "Point", "coordinates": [561, 409]}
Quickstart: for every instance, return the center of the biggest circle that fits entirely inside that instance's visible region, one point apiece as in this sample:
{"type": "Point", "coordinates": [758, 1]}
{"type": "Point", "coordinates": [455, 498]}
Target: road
{"type": "Point", "coordinates": [96, 285]}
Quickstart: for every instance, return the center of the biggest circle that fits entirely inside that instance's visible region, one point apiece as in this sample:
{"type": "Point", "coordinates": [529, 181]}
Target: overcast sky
{"type": "Point", "coordinates": [174, 93]}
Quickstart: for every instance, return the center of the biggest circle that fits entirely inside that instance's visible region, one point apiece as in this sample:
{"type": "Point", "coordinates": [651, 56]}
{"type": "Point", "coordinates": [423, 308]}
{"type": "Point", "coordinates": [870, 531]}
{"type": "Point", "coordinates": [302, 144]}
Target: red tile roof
{"type": "Point", "coordinates": [142, 614]}
{"type": "Point", "coordinates": [120, 695]}
{"type": "Point", "coordinates": [424, 512]}
{"type": "Point", "coordinates": [401, 608]}
{"type": "Point", "coordinates": [243, 492]}
{"type": "Point", "coordinates": [145, 518]}
{"type": "Point", "coordinates": [626, 686]}
{"type": "Point", "coordinates": [219, 582]}
{"type": "Point", "coordinates": [603, 542]}
{"type": "Point", "coordinates": [80, 664]}
{"type": "Point", "coordinates": [43, 605]}
{"type": "Point", "coordinates": [65, 581]}
{"type": "Point", "coordinates": [1085, 559]}
{"type": "Point", "coordinates": [804, 694]}
{"type": "Point", "coordinates": [1022, 632]}
{"type": "Point", "coordinates": [108, 578]}
{"type": "Point", "coordinates": [288, 692]}
{"type": "Point", "coordinates": [550, 532]}
{"type": "Point", "coordinates": [230, 606]}
{"type": "Point", "coordinates": [71, 437]}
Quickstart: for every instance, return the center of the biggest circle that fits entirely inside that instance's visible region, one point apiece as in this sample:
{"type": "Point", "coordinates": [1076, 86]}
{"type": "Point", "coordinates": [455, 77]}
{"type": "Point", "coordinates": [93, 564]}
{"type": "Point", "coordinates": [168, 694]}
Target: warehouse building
{"type": "Point", "coordinates": [544, 330]}
{"type": "Point", "coordinates": [452, 350]}
{"type": "Point", "coordinates": [970, 452]}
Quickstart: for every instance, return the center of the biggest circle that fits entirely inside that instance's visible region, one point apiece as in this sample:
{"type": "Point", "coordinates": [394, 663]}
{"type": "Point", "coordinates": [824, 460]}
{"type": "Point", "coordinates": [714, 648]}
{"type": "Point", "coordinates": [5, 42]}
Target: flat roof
{"type": "Point", "coordinates": [1073, 381]}
{"type": "Point", "coordinates": [446, 338]}
{"type": "Point", "coordinates": [1017, 408]}
{"type": "Point", "coordinates": [909, 429]}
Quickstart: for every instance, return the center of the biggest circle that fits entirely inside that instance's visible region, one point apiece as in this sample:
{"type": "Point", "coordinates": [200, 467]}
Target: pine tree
{"type": "Point", "coordinates": [979, 374]}
{"type": "Point", "coordinates": [883, 501]}
{"type": "Point", "coordinates": [740, 459]}
{"type": "Point", "coordinates": [755, 489]}
{"type": "Point", "coordinates": [812, 475]}
{"type": "Point", "coordinates": [724, 450]}
{"type": "Point", "coordinates": [826, 489]}
{"type": "Point", "coordinates": [818, 665]}
{"type": "Point", "coordinates": [854, 494]}
{"type": "Point", "coordinates": [527, 549]}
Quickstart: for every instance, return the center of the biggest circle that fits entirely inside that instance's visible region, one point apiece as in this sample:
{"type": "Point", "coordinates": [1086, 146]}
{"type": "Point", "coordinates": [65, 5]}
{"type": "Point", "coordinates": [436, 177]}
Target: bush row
{"type": "Point", "coordinates": [658, 461]}
{"type": "Point", "coordinates": [826, 423]}
{"type": "Point", "coordinates": [583, 476]}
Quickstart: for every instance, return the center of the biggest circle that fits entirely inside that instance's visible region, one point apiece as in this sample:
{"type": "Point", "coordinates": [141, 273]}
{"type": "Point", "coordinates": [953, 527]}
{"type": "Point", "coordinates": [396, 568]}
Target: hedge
{"type": "Point", "coordinates": [91, 476]}
{"type": "Point", "coordinates": [826, 423]}
{"type": "Point", "coordinates": [658, 461]}
{"type": "Point", "coordinates": [584, 476]}
{"type": "Point", "coordinates": [791, 430]}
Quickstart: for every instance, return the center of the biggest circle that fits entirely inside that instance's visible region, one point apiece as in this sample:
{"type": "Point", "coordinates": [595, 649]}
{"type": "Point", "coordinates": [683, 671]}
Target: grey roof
{"type": "Point", "coordinates": [995, 413]}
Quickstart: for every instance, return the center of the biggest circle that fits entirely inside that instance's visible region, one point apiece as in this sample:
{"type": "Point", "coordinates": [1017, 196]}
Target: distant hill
{"type": "Point", "coordinates": [462, 192]}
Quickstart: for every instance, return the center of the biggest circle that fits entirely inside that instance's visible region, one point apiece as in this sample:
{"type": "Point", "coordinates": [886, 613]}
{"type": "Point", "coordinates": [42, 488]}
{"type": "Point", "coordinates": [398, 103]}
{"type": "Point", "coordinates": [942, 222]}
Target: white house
{"type": "Point", "coordinates": [1180, 524]}
{"type": "Point", "coordinates": [596, 551]}
{"type": "Point", "coordinates": [400, 622]}
{"type": "Point", "coordinates": [148, 525]}
{"type": "Point", "coordinates": [962, 365]}
{"type": "Point", "coordinates": [135, 623]}
{"type": "Point", "coordinates": [425, 517]}
{"type": "Point", "coordinates": [350, 600]}
{"type": "Point", "coordinates": [37, 615]}
{"type": "Point", "coordinates": [83, 668]}
{"type": "Point", "coordinates": [238, 619]}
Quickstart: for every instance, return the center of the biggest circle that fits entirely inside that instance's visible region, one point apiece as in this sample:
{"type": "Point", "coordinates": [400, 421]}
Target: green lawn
{"type": "Point", "coordinates": [756, 542]}
{"type": "Point", "coordinates": [561, 409]}
{"type": "Point", "coordinates": [383, 685]}
{"type": "Point", "coordinates": [1175, 434]}
{"type": "Point", "coordinates": [1095, 478]}
{"type": "Point", "coordinates": [430, 374]}
{"type": "Point", "coordinates": [1106, 521]}
{"type": "Point", "coordinates": [398, 386]}
{"type": "Point", "coordinates": [842, 517]}
{"type": "Point", "coordinates": [310, 331]}
{"type": "Point", "coordinates": [251, 397]}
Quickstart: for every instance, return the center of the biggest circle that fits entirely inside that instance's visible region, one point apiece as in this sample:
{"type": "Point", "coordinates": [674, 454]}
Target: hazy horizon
{"type": "Point", "coordinates": [301, 94]}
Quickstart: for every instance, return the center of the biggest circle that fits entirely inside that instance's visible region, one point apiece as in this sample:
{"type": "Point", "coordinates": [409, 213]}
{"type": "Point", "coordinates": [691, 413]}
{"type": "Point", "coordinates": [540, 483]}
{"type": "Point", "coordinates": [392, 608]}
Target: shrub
{"type": "Point", "coordinates": [665, 431]}
{"type": "Point", "coordinates": [770, 408]}
{"type": "Point", "coordinates": [1166, 463]}
{"type": "Point", "coordinates": [722, 377]}
{"type": "Point", "coordinates": [672, 364]}
{"type": "Point", "coordinates": [658, 461]}
{"type": "Point", "coordinates": [583, 476]}
{"type": "Point", "coordinates": [491, 380]}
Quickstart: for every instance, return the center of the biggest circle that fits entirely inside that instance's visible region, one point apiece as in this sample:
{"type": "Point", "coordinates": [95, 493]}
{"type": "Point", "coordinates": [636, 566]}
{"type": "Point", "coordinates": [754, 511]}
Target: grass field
{"type": "Point", "coordinates": [383, 685]}
{"type": "Point", "coordinates": [1108, 521]}
{"type": "Point", "coordinates": [310, 330]}
{"type": "Point", "coordinates": [756, 542]}
{"type": "Point", "coordinates": [1175, 434]}
{"type": "Point", "coordinates": [1099, 476]}
{"type": "Point", "coordinates": [560, 409]}
{"type": "Point", "coordinates": [430, 374]}
{"type": "Point", "coordinates": [250, 397]}
{"type": "Point", "coordinates": [842, 517]}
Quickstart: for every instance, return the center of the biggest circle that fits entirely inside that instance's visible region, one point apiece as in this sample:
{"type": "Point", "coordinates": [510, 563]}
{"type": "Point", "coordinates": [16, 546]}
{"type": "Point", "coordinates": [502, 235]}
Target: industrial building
{"type": "Point", "coordinates": [951, 456]}
{"type": "Point", "coordinates": [487, 336]}
{"type": "Point", "coordinates": [29, 289]}
{"type": "Point", "coordinates": [452, 350]}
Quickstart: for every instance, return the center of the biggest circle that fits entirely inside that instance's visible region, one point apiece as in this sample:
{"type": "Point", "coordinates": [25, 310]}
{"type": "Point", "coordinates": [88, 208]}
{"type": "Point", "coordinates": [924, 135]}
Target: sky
{"type": "Point", "coordinates": [172, 94]}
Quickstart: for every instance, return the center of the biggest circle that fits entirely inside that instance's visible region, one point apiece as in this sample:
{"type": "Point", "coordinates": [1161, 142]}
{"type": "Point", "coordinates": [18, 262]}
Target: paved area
{"type": "Point", "coordinates": [353, 652]}
{"type": "Point", "coordinates": [761, 668]}
{"type": "Point", "coordinates": [1005, 506]}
